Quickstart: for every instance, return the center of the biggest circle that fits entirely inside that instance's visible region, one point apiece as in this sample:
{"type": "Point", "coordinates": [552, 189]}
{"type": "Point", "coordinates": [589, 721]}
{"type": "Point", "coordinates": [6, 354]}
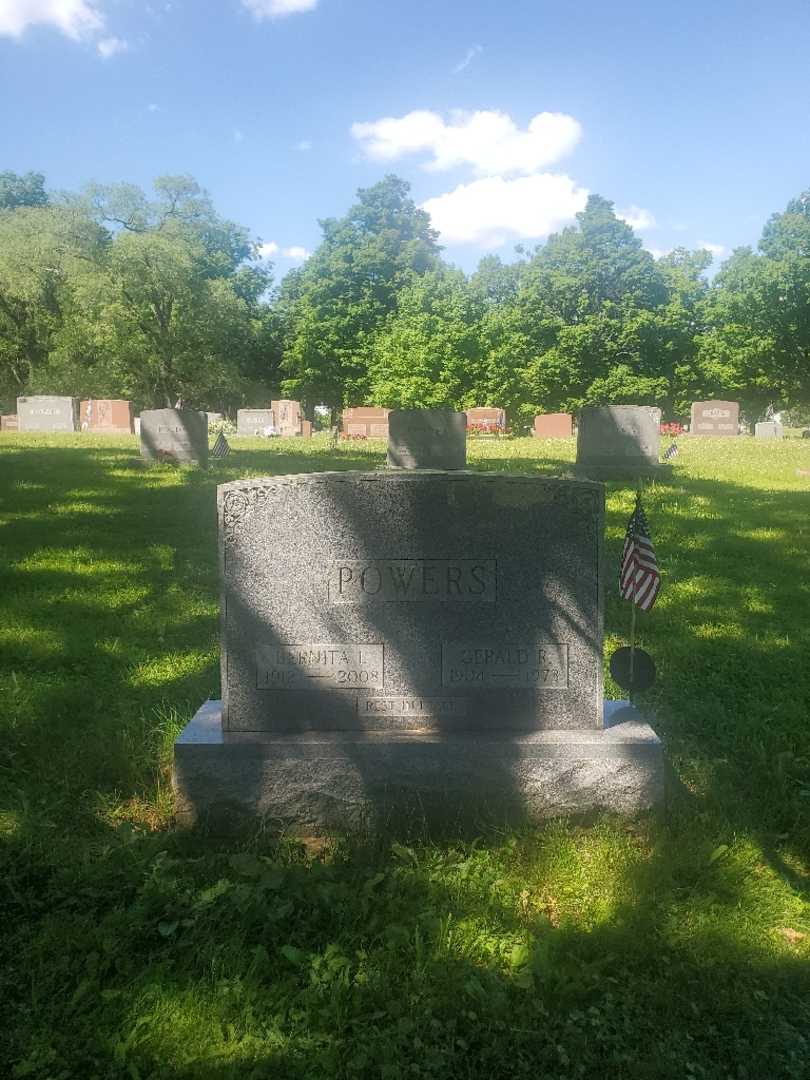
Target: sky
{"type": "Point", "coordinates": [691, 118]}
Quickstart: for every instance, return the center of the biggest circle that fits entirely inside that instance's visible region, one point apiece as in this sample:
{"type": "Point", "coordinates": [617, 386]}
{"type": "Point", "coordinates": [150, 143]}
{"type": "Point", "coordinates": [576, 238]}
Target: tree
{"type": "Point", "coordinates": [27, 190]}
{"type": "Point", "coordinates": [332, 307]}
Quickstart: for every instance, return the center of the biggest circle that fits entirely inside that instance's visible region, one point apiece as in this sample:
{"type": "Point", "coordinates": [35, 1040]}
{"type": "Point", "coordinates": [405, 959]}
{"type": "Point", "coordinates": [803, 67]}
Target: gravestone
{"type": "Point", "coordinates": [715, 418]}
{"type": "Point", "coordinates": [769, 429]}
{"type": "Point", "coordinates": [389, 648]}
{"type": "Point", "coordinates": [104, 416]}
{"type": "Point", "coordinates": [9, 422]}
{"type": "Point", "coordinates": [558, 425]}
{"type": "Point", "coordinates": [306, 429]}
{"type": "Point", "coordinates": [289, 419]}
{"type": "Point", "coordinates": [179, 436]}
{"type": "Point", "coordinates": [367, 421]}
{"type": "Point", "coordinates": [255, 422]}
{"type": "Point", "coordinates": [46, 412]}
{"type": "Point", "coordinates": [618, 440]}
{"type": "Point", "coordinates": [214, 418]}
{"type": "Point", "coordinates": [427, 439]}
{"type": "Point", "coordinates": [486, 419]}
{"type": "Point", "coordinates": [136, 423]}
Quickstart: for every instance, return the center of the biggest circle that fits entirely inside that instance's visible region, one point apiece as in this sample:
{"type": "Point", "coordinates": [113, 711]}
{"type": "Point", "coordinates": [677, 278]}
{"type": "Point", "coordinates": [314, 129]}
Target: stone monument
{"type": "Point", "coordinates": [289, 419]}
{"type": "Point", "coordinates": [618, 440]}
{"type": "Point", "coordinates": [558, 425]}
{"type": "Point", "coordinates": [715, 418]}
{"type": "Point", "coordinates": [367, 421]}
{"type": "Point", "coordinates": [46, 412]}
{"type": "Point", "coordinates": [255, 422]}
{"type": "Point", "coordinates": [9, 422]}
{"type": "Point", "coordinates": [769, 429]}
{"type": "Point", "coordinates": [427, 439]}
{"type": "Point", "coordinates": [179, 436]}
{"type": "Point", "coordinates": [103, 416]}
{"type": "Point", "coordinates": [390, 651]}
{"type": "Point", "coordinates": [486, 420]}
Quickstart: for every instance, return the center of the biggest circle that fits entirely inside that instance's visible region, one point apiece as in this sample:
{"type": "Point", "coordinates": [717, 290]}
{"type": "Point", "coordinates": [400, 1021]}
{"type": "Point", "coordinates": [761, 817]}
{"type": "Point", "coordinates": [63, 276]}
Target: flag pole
{"type": "Point", "coordinates": [639, 488]}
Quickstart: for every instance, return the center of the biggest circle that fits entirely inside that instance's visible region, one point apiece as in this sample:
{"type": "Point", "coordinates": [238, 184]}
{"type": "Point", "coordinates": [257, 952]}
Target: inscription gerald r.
{"type": "Point", "coordinates": [541, 665]}
{"type": "Point", "coordinates": [319, 667]}
{"type": "Point", "coordinates": [413, 580]}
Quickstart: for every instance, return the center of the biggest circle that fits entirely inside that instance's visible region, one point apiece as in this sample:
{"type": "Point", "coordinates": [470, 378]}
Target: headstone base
{"type": "Point", "coordinates": [620, 472]}
{"type": "Point", "coordinates": [322, 783]}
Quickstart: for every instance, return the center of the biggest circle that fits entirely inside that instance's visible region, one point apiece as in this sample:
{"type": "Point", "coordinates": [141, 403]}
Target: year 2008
{"type": "Point", "coordinates": [357, 678]}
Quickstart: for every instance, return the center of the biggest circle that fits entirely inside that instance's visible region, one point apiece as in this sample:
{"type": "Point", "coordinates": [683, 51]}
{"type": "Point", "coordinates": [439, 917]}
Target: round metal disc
{"type": "Point", "coordinates": [643, 669]}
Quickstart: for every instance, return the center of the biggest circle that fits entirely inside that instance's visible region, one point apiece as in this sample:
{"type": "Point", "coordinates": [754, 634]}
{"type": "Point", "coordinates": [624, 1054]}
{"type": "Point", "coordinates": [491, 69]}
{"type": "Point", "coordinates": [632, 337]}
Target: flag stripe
{"type": "Point", "coordinates": [639, 579]}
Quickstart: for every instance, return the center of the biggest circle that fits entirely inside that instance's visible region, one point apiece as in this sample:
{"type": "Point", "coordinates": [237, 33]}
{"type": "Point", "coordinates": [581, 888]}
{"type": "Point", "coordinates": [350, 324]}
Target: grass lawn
{"type": "Point", "coordinates": [671, 947]}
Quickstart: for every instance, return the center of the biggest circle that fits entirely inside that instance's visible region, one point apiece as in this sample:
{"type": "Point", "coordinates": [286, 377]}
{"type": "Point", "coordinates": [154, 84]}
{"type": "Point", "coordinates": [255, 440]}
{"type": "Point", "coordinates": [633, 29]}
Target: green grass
{"type": "Point", "coordinates": [670, 947]}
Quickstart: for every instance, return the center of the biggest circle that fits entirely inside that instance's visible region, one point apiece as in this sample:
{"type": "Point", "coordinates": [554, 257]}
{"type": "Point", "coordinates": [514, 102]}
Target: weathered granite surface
{"type": "Point", "coordinates": [174, 435]}
{"type": "Point", "coordinates": [553, 426]}
{"type": "Point", "coordinates": [323, 782]}
{"type": "Point", "coordinates": [714, 418]}
{"type": "Point", "coordinates": [427, 439]}
{"type": "Point", "coordinates": [618, 440]}
{"type": "Point", "coordinates": [46, 412]}
{"type": "Point", "coordinates": [106, 416]}
{"type": "Point", "coordinates": [769, 429]}
{"type": "Point", "coordinates": [429, 601]}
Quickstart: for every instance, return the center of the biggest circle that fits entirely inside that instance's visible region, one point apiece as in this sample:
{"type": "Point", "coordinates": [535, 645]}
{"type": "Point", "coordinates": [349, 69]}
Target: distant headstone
{"type": "Point", "coordinates": [558, 425]}
{"type": "Point", "coordinates": [486, 420]}
{"type": "Point", "coordinates": [288, 417]}
{"type": "Point", "coordinates": [104, 416]}
{"type": "Point", "coordinates": [255, 422]}
{"type": "Point", "coordinates": [427, 439]}
{"type": "Point", "coordinates": [454, 617]}
{"type": "Point", "coordinates": [48, 413]}
{"type": "Point", "coordinates": [306, 429]}
{"type": "Point", "coordinates": [769, 429]}
{"type": "Point", "coordinates": [179, 436]}
{"type": "Point", "coordinates": [214, 418]}
{"type": "Point", "coordinates": [715, 418]}
{"type": "Point", "coordinates": [137, 425]}
{"type": "Point", "coordinates": [368, 421]}
{"type": "Point", "coordinates": [9, 422]}
{"type": "Point", "coordinates": [618, 440]}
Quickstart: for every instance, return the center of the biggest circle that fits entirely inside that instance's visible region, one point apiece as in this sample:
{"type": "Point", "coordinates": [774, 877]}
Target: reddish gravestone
{"type": "Point", "coordinates": [289, 420]}
{"type": "Point", "coordinates": [486, 418]}
{"type": "Point", "coordinates": [715, 418]}
{"type": "Point", "coordinates": [105, 416]}
{"type": "Point", "coordinates": [556, 425]}
{"type": "Point", "coordinates": [9, 422]}
{"type": "Point", "coordinates": [367, 421]}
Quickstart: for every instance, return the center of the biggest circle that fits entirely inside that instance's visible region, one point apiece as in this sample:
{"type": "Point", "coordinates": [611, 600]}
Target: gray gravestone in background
{"type": "Point", "coordinates": [48, 413]}
{"type": "Point", "coordinates": [362, 601]}
{"type": "Point", "coordinates": [769, 429]}
{"type": "Point", "coordinates": [715, 418]}
{"type": "Point", "coordinates": [427, 439]}
{"type": "Point", "coordinates": [177, 435]}
{"type": "Point", "coordinates": [254, 421]}
{"type": "Point", "coordinates": [618, 440]}
{"type": "Point", "coordinates": [407, 647]}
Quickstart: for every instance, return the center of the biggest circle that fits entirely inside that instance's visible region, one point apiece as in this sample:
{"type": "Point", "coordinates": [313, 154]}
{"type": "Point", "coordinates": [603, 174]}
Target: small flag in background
{"type": "Point", "coordinates": [671, 452]}
{"type": "Point", "coordinates": [639, 579]}
{"type": "Point", "coordinates": [220, 447]}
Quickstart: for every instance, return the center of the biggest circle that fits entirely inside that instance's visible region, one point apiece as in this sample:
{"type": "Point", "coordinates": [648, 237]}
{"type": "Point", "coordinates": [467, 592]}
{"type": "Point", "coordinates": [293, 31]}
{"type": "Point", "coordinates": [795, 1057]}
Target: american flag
{"type": "Point", "coordinates": [221, 447]}
{"type": "Point", "coordinates": [671, 452]}
{"type": "Point", "coordinates": [639, 579]}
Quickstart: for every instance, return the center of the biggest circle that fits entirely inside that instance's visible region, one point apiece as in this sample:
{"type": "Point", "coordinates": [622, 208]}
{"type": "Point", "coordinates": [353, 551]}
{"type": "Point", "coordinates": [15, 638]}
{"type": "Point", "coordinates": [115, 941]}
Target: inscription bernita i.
{"type": "Point", "coordinates": [413, 580]}
{"type": "Point", "coordinates": [319, 667]}
{"type": "Point", "coordinates": [542, 665]}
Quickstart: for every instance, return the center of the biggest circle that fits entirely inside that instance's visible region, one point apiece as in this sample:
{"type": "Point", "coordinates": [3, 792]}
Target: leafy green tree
{"type": "Point", "coordinates": [332, 307]}
{"type": "Point", "coordinates": [25, 190]}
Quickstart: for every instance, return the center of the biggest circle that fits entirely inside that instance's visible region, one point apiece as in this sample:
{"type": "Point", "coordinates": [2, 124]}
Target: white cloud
{"type": "Point", "coordinates": [489, 141]}
{"type": "Point", "coordinates": [277, 9]}
{"type": "Point", "coordinates": [76, 19]}
{"type": "Point", "coordinates": [490, 211]}
{"type": "Point", "coordinates": [298, 254]}
{"type": "Point", "coordinates": [637, 218]}
{"type": "Point", "coordinates": [109, 46]}
{"type": "Point", "coordinates": [717, 251]}
{"type": "Point", "coordinates": [303, 145]}
{"type": "Point", "coordinates": [472, 52]}
{"type": "Point", "coordinates": [266, 251]}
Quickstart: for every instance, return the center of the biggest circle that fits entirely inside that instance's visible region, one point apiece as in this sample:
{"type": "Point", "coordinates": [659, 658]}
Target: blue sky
{"type": "Point", "coordinates": [691, 118]}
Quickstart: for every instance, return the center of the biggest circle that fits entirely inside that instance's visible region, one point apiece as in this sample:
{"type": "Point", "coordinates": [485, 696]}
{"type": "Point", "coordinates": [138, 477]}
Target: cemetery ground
{"type": "Point", "coordinates": [672, 946]}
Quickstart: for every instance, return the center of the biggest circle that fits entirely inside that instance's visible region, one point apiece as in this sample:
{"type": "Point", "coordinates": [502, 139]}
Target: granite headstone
{"type": "Point", "coordinates": [255, 422]}
{"type": "Point", "coordinates": [47, 412]}
{"type": "Point", "coordinates": [715, 418]}
{"type": "Point", "coordinates": [367, 421]}
{"type": "Point", "coordinates": [553, 426]}
{"type": "Point", "coordinates": [618, 440]}
{"type": "Point", "coordinates": [179, 436]}
{"type": "Point", "coordinates": [9, 422]}
{"type": "Point", "coordinates": [769, 429]}
{"type": "Point", "coordinates": [288, 417]}
{"type": "Point", "coordinates": [105, 416]}
{"type": "Point", "coordinates": [486, 419]}
{"type": "Point", "coordinates": [427, 439]}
